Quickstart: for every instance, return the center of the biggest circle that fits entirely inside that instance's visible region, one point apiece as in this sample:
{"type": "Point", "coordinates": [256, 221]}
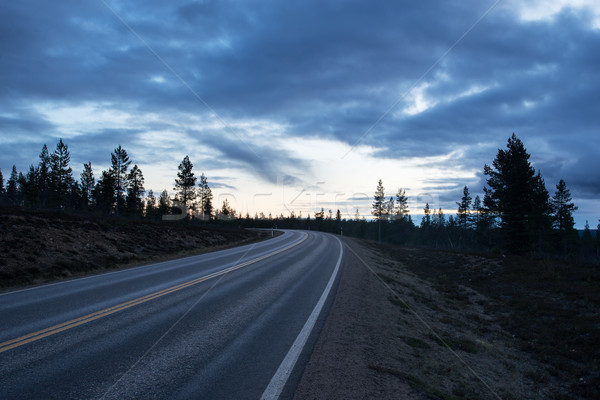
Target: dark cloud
{"type": "Point", "coordinates": [326, 70]}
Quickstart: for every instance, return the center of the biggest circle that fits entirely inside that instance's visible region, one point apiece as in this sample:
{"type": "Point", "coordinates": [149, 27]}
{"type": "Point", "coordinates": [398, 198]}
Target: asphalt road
{"type": "Point", "coordinates": [224, 325]}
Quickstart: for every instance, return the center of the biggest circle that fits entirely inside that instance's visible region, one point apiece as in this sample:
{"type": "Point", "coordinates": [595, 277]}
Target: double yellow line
{"type": "Point", "coordinates": [32, 337]}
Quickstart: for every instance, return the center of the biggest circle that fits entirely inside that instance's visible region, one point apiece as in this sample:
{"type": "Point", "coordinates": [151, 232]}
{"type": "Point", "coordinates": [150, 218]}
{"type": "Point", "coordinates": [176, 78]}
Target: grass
{"type": "Point", "coordinates": [549, 306]}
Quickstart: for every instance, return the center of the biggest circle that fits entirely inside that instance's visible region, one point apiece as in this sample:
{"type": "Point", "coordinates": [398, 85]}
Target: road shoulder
{"type": "Point", "coordinates": [353, 341]}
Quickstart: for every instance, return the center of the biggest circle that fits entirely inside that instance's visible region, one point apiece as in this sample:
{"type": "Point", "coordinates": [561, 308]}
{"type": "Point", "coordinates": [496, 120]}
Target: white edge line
{"type": "Point", "coordinates": [275, 387]}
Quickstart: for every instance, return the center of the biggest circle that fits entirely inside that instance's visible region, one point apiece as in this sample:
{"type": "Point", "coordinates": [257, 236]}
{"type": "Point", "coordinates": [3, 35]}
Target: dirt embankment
{"type": "Point", "coordinates": [425, 324]}
{"type": "Point", "coordinates": [41, 246]}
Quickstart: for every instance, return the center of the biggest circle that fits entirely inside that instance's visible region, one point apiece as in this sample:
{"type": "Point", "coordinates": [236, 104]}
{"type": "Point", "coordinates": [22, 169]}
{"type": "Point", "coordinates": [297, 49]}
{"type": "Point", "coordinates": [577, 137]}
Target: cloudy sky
{"type": "Point", "coordinates": [301, 105]}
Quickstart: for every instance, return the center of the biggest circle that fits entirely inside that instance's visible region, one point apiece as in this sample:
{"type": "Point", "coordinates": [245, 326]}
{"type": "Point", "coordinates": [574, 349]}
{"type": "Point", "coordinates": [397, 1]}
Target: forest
{"type": "Point", "coordinates": [517, 213]}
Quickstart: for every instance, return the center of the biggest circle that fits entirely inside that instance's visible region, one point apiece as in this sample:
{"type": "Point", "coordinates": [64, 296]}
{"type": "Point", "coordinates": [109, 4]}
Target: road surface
{"type": "Point", "coordinates": [231, 324]}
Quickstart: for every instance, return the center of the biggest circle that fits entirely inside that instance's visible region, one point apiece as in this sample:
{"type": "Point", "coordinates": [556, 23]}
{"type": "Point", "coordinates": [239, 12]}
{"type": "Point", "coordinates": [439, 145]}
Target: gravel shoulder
{"type": "Point", "coordinates": [393, 333]}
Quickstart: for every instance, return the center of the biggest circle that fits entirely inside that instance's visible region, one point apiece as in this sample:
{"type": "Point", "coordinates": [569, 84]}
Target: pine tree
{"type": "Point", "coordinates": [379, 206]}
{"type": "Point", "coordinates": [120, 164]}
{"type": "Point", "coordinates": [150, 208]}
{"type": "Point", "coordinates": [513, 192]}
{"type": "Point", "coordinates": [87, 184]}
{"type": "Point", "coordinates": [401, 205]}
{"type": "Point", "coordinates": [135, 191]}
{"type": "Point", "coordinates": [61, 175]}
{"type": "Point", "coordinates": [563, 208]}
{"type": "Point", "coordinates": [31, 190]}
{"type": "Point", "coordinates": [476, 216]}
{"type": "Point", "coordinates": [164, 203]}
{"type": "Point", "coordinates": [426, 221]}
{"type": "Point", "coordinates": [2, 190]}
{"type": "Point", "coordinates": [12, 189]}
{"type": "Point", "coordinates": [44, 176]}
{"type": "Point", "coordinates": [338, 216]}
{"type": "Point", "coordinates": [21, 189]}
{"type": "Point", "coordinates": [185, 183]}
{"type": "Point", "coordinates": [104, 193]}
{"type": "Point", "coordinates": [226, 212]}
{"type": "Point", "coordinates": [464, 207]}
{"type": "Point", "coordinates": [205, 195]}
{"type": "Point", "coordinates": [587, 241]}
{"type": "Point", "coordinates": [540, 217]}
{"type": "Point", "coordinates": [439, 219]}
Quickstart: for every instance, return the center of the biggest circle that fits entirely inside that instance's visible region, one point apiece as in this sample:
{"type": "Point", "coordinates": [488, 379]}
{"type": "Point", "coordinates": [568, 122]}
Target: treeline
{"type": "Point", "coordinates": [119, 190]}
{"type": "Point", "coordinates": [515, 213]}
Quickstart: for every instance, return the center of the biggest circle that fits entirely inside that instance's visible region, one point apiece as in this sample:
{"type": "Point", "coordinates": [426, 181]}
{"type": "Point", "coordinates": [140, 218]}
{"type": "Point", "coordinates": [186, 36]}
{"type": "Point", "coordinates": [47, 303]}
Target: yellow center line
{"type": "Point", "coordinates": [31, 337]}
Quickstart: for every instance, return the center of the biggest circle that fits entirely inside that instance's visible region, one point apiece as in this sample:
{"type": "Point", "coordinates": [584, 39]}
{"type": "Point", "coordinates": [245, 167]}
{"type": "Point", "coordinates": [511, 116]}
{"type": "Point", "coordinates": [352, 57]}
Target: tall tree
{"type": "Point", "coordinates": [150, 205]}
{"type": "Point", "coordinates": [135, 191]}
{"type": "Point", "coordinates": [21, 189]}
{"type": "Point", "coordinates": [2, 191]}
{"type": "Point", "coordinates": [164, 203]}
{"type": "Point", "coordinates": [426, 221]}
{"type": "Point", "coordinates": [205, 195]}
{"type": "Point", "coordinates": [439, 219]}
{"type": "Point", "coordinates": [44, 176]}
{"type": "Point", "coordinates": [226, 212]}
{"type": "Point", "coordinates": [87, 184]}
{"type": "Point", "coordinates": [61, 175]}
{"type": "Point", "coordinates": [512, 194]}
{"type": "Point", "coordinates": [401, 205]}
{"type": "Point", "coordinates": [563, 208]}
{"type": "Point", "coordinates": [379, 202]}
{"type": "Point", "coordinates": [379, 207]}
{"type": "Point", "coordinates": [12, 189]}
{"type": "Point", "coordinates": [540, 217]}
{"type": "Point", "coordinates": [31, 190]}
{"type": "Point", "coordinates": [104, 193]}
{"type": "Point", "coordinates": [120, 164]}
{"type": "Point", "coordinates": [185, 183]}
{"type": "Point", "coordinates": [464, 207]}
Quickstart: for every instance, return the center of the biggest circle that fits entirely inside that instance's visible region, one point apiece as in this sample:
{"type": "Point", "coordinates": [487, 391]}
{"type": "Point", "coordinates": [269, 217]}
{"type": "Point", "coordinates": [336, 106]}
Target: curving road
{"type": "Point", "coordinates": [233, 324]}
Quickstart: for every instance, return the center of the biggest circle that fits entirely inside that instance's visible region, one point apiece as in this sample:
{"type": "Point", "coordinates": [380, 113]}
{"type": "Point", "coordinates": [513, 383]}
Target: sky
{"type": "Point", "coordinates": [294, 106]}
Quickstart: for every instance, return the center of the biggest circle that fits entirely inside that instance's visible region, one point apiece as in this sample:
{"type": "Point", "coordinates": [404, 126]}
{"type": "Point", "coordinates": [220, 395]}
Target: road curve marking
{"type": "Point", "coordinates": [277, 383]}
{"type": "Point", "coordinates": [31, 337]}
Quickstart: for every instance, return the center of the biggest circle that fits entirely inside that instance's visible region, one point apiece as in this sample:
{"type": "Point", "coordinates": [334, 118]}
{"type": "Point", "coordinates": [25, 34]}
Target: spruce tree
{"type": "Point", "coordinates": [512, 193]}
{"type": "Point", "coordinates": [12, 190]}
{"type": "Point", "coordinates": [464, 207]}
{"type": "Point", "coordinates": [227, 212]}
{"type": "Point", "coordinates": [185, 183]}
{"type": "Point", "coordinates": [426, 221]}
{"type": "Point", "coordinates": [540, 217]}
{"type": "Point", "coordinates": [439, 219]}
{"type": "Point", "coordinates": [120, 164]}
{"type": "Point", "coordinates": [44, 176]}
{"type": "Point", "coordinates": [150, 208]}
{"type": "Point", "coordinates": [563, 208]}
{"type": "Point", "coordinates": [61, 175]}
{"type": "Point", "coordinates": [164, 203]}
{"type": "Point", "coordinates": [135, 191]}
{"type": "Point", "coordinates": [31, 190]}
{"type": "Point", "coordinates": [87, 184]}
{"type": "Point", "coordinates": [104, 193]}
{"type": "Point", "coordinates": [476, 217]}
{"type": "Point", "coordinates": [2, 190]}
{"type": "Point", "coordinates": [21, 189]}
